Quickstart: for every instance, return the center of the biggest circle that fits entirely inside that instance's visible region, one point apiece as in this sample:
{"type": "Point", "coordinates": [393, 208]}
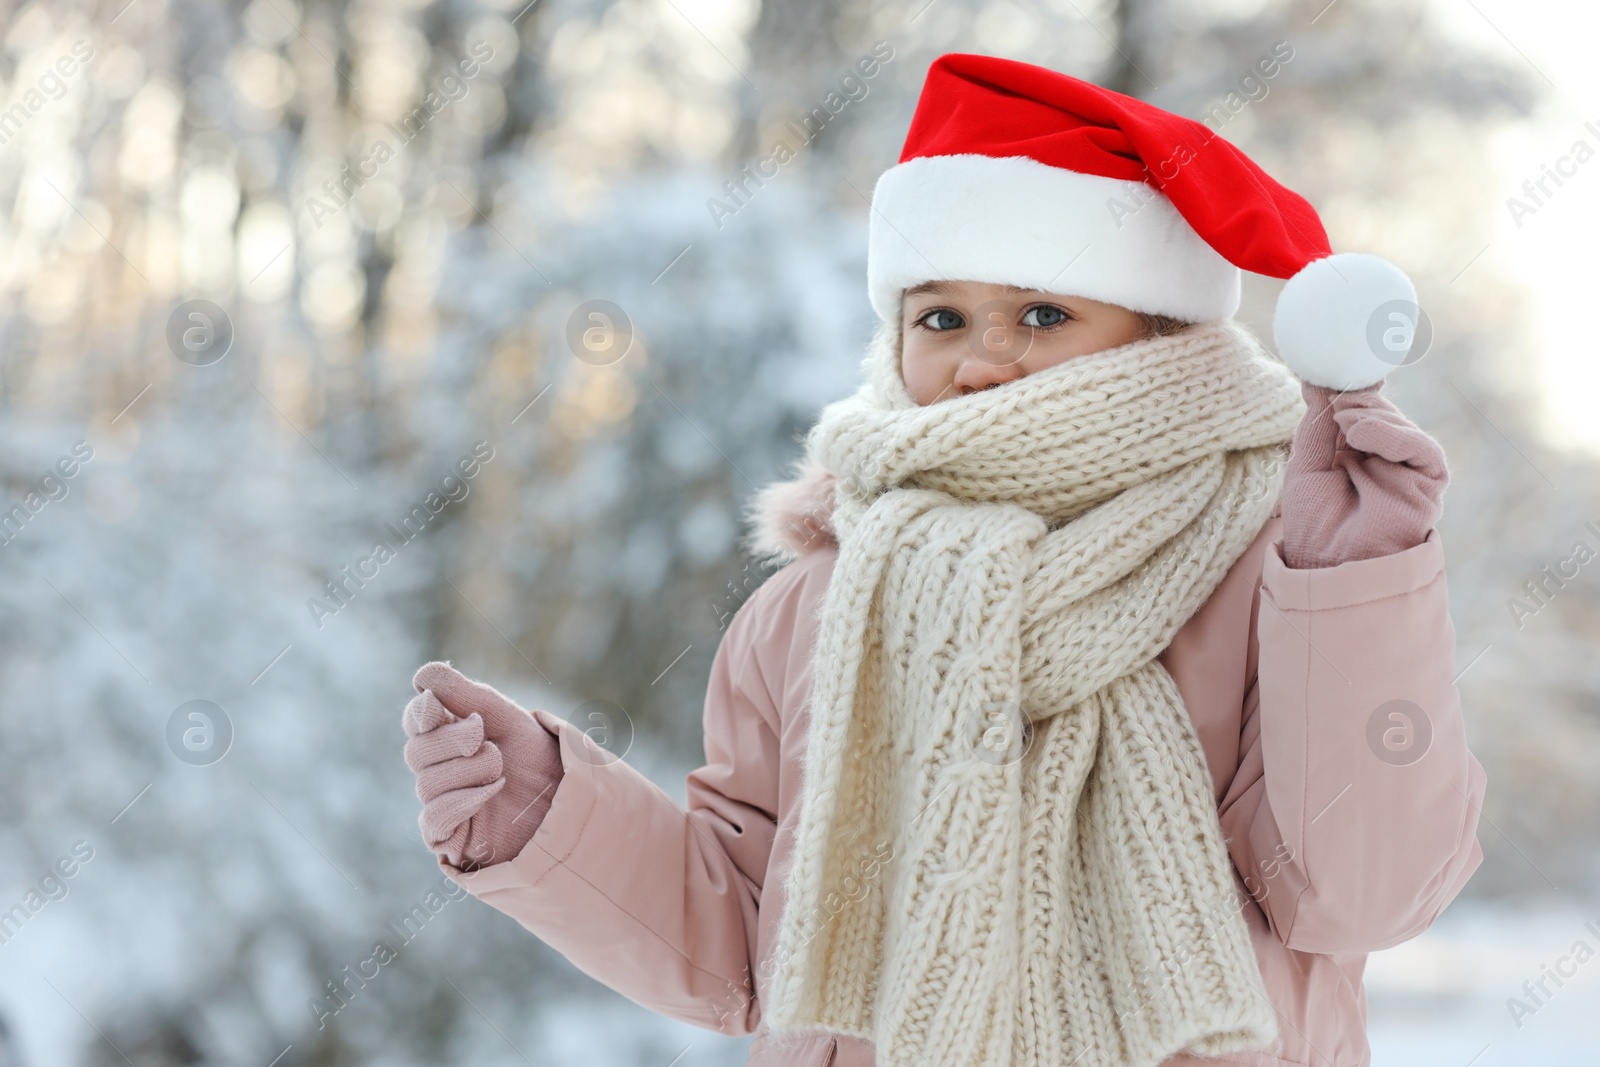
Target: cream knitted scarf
{"type": "Point", "coordinates": [1008, 852]}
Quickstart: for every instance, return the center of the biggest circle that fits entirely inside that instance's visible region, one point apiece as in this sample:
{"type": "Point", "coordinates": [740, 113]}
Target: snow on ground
{"type": "Point", "coordinates": [1441, 1000]}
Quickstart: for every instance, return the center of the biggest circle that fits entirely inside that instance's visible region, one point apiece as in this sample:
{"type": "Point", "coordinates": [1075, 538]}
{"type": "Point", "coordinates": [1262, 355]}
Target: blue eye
{"type": "Point", "coordinates": [941, 319]}
{"type": "Point", "coordinates": [1044, 316]}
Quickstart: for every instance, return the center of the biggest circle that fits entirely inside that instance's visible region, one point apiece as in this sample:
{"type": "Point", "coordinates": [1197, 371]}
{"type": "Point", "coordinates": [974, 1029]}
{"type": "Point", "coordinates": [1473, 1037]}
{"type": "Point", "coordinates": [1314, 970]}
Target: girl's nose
{"type": "Point", "coordinates": [983, 368]}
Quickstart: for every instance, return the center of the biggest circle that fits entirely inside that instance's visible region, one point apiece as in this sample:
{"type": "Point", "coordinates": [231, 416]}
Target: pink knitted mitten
{"type": "Point", "coordinates": [486, 769]}
{"type": "Point", "coordinates": [1362, 480]}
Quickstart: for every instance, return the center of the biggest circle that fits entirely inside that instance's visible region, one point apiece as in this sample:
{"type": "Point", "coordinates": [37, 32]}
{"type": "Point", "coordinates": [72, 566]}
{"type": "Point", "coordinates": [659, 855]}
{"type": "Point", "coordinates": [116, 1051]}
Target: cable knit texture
{"type": "Point", "coordinates": [486, 770]}
{"type": "Point", "coordinates": [1008, 854]}
{"type": "Point", "coordinates": [1363, 480]}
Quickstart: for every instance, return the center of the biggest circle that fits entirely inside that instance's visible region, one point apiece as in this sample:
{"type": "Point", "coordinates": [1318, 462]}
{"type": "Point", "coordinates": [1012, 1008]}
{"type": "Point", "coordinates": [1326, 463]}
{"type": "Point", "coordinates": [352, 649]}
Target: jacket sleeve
{"type": "Point", "coordinates": [657, 902]}
{"type": "Point", "coordinates": [1353, 815]}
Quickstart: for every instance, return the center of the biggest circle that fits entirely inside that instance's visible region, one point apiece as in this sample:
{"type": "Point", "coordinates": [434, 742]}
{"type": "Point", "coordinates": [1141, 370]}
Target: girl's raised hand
{"type": "Point", "coordinates": [486, 770]}
{"type": "Point", "coordinates": [1362, 480]}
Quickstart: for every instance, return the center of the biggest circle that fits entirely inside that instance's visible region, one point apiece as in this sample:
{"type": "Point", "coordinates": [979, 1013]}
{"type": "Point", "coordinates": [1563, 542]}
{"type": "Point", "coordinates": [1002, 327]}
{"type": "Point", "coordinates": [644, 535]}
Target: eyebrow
{"type": "Point", "coordinates": [940, 288]}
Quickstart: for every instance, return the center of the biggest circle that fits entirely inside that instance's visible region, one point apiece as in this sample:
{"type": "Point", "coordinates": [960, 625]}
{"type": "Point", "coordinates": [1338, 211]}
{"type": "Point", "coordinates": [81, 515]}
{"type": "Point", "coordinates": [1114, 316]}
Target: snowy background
{"type": "Point", "coordinates": [595, 557]}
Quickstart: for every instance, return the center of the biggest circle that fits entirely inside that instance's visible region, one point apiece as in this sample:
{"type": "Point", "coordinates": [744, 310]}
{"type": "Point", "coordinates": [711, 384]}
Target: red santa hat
{"type": "Point", "coordinates": [1016, 174]}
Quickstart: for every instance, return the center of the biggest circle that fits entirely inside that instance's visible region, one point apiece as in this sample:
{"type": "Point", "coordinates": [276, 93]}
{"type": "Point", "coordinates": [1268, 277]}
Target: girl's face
{"type": "Point", "coordinates": [959, 337]}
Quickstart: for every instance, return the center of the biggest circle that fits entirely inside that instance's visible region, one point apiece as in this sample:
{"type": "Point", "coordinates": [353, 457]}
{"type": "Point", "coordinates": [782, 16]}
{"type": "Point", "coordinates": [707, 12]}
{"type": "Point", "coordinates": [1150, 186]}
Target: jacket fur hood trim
{"type": "Point", "coordinates": [789, 517]}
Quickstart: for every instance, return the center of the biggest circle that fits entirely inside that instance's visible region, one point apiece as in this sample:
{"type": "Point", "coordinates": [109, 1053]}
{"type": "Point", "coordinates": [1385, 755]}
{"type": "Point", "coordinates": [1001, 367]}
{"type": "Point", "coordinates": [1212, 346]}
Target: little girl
{"type": "Point", "coordinates": [1079, 728]}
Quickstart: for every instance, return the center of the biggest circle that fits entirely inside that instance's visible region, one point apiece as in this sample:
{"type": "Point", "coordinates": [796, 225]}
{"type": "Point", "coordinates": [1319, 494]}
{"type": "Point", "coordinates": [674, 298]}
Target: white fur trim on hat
{"type": "Point", "coordinates": [1016, 221]}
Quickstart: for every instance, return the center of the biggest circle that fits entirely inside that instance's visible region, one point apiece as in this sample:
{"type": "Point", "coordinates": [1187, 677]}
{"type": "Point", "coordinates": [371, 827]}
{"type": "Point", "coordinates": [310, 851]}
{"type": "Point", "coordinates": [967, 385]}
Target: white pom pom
{"type": "Point", "coordinates": [1346, 321]}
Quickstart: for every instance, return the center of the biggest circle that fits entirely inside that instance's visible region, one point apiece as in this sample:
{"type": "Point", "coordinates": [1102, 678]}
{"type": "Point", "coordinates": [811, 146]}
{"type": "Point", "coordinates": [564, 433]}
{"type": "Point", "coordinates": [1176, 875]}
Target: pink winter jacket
{"type": "Point", "coordinates": [1325, 703]}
